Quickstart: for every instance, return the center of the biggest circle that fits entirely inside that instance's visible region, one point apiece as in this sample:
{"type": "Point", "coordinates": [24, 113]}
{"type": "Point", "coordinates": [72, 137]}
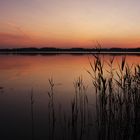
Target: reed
{"type": "Point", "coordinates": [51, 108]}
{"type": "Point", "coordinates": [32, 112]}
{"type": "Point", "coordinates": [117, 104]}
{"type": "Point", "coordinates": [116, 99]}
{"type": "Point", "coordinates": [79, 107]}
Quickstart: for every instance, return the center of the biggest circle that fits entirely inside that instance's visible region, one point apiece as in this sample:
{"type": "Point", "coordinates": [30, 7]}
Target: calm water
{"type": "Point", "coordinates": [20, 75]}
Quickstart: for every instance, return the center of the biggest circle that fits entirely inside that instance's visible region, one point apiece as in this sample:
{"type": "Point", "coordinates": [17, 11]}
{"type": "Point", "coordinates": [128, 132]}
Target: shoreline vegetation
{"type": "Point", "coordinates": [51, 50]}
{"type": "Point", "coordinates": [117, 106]}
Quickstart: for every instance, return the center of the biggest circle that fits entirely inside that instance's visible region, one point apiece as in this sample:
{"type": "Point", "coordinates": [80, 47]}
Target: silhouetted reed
{"type": "Point", "coordinates": [117, 93]}
{"type": "Point", "coordinates": [117, 100]}
{"type": "Point", "coordinates": [79, 110]}
{"type": "Point", "coordinates": [51, 109]}
{"type": "Point", "coordinates": [32, 113]}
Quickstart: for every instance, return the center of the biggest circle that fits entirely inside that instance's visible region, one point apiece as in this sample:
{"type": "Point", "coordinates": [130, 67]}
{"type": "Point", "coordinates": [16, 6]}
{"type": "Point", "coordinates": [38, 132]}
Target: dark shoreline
{"type": "Point", "coordinates": [69, 53]}
{"type": "Point", "coordinates": [73, 51]}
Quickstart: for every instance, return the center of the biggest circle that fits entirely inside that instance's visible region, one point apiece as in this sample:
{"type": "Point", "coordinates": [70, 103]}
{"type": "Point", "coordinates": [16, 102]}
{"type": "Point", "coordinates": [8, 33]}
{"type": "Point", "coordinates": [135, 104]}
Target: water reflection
{"type": "Point", "coordinates": [24, 104]}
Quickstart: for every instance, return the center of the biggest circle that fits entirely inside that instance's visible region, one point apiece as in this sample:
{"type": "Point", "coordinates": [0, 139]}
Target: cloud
{"type": "Point", "coordinates": [5, 36]}
{"type": "Point", "coordinates": [19, 29]}
{"type": "Point", "coordinates": [17, 37]}
{"type": "Point", "coordinates": [11, 40]}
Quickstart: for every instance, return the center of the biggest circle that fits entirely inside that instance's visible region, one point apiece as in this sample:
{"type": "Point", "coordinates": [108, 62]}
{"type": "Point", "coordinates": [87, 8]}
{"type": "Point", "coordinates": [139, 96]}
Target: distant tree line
{"type": "Point", "coordinates": [52, 49]}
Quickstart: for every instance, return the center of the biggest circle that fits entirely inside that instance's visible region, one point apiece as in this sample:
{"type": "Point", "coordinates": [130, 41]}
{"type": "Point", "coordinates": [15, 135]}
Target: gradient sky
{"type": "Point", "coordinates": [69, 23]}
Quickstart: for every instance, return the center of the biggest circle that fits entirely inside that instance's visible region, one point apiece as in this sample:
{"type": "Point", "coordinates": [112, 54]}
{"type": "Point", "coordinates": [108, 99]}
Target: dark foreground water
{"type": "Point", "coordinates": [27, 110]}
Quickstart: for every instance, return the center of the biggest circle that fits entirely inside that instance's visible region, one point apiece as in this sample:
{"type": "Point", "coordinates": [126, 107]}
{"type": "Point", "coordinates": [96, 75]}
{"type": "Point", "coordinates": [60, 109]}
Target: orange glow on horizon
{"type": "Point", "coordinates": [7, 39]}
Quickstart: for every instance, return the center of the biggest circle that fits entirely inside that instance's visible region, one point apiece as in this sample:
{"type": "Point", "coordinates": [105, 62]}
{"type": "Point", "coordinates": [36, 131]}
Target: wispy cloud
{"type": "Point", "coordinates": [5, 36]}
{"type": "Point", "coordinates": [15, 35]}
{"type": "Point", "coordinates": [19, 29]}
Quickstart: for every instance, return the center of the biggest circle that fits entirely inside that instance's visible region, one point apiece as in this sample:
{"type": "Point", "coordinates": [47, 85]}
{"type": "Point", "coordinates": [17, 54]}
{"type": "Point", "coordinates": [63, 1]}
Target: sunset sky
{"type": "Point", "coordinates": [69, 23]}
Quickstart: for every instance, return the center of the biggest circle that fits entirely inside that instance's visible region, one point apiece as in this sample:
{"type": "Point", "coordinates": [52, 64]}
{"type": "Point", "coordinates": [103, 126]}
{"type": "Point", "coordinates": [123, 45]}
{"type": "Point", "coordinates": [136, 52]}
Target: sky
{"type": "Point", "coordinates": [69, 23]}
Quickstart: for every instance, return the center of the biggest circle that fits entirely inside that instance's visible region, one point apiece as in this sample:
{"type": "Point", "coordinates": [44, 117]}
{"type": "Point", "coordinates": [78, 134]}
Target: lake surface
{"type": "Point", "coordinates": [25, 77]}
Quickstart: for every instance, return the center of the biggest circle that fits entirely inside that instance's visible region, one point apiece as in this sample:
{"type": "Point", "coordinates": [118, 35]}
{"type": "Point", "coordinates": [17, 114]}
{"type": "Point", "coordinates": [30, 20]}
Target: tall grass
{"type": "Point", "coordinates": [117, 100]}
{"type": "Point", "coordinates": [51, 108]}
{"type": "Point", "coordinates": [32, 112]}
{"type": "Point", "coordinates": [79, 108]}
{"type": "Point", "coordinates": [117, 105]}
